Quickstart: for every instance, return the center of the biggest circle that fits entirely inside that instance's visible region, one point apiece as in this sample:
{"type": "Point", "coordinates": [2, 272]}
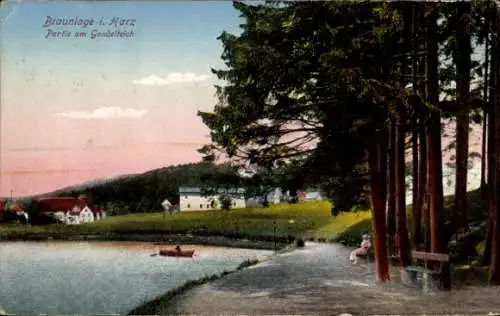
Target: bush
{"type": "Point", "coordinates": [225, 202]}
{"type": "Point", "coordinates": [299, 242]}
{"type": "Point", "coordinates": [9, 216]}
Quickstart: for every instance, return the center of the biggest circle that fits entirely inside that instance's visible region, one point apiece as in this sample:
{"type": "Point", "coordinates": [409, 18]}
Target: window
{"type": "Point", "coordinates": [201, 205]}
{"type": "Point", "coordinates": [234, 203]}
{"type": "Point", "coordinates": [208, 205]}
{"type": "Point", "coordinates": [185, 196]}
{"type": "Point", "coordinates": [189, 205]}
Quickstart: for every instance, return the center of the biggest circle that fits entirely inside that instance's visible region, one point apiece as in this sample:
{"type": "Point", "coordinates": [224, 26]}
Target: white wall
{"type": "Point", "coordinates": [273, 197]}
{"type": "Point", "coordinates": [254, 202]}
{"type": "Point", "coordinates": [314, 196]}
{"type": "Point", "coordinates": [196, 202]}
{"type": "Point", "coordinates": [86, 215]}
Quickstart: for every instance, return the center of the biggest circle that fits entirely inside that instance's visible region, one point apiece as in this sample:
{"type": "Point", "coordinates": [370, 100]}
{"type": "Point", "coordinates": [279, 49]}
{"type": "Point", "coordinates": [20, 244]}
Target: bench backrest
{"type": "Point", "coordinates": [431, 256]}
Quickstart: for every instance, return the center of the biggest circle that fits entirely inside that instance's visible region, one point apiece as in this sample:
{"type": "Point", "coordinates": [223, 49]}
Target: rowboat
{"type": "Point", "coordinates": [176, 253]}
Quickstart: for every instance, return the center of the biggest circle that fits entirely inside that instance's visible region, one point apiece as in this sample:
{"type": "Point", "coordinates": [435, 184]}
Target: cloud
{"type": "Point", "coordinates": [104, 113]}
{"type": "Point", "coordinates": [172, 78]}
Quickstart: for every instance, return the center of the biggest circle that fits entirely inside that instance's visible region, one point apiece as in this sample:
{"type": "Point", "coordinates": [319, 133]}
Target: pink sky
{"type": "Point", "coordinates": [73, 110]}
{"type": "Point", "coordinates": [85, 133]}
{"type": "Point", "coordinates": [76, 109]}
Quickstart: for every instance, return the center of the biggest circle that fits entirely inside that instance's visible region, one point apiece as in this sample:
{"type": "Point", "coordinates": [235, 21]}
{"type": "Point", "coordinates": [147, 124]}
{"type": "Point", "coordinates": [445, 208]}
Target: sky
{"type": "Point", "coordinates": [79, 108]}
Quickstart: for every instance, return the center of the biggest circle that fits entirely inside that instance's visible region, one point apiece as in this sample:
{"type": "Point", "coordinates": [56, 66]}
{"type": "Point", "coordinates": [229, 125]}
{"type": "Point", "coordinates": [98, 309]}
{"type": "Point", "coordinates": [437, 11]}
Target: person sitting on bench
{"type": "Point", "coordinates": [363, 250]}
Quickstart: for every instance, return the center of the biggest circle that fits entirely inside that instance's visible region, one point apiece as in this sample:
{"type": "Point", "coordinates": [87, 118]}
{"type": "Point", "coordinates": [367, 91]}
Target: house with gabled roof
{"type": "Point", "coordinates": [12, 211]}
{"type": "Point", "coordinates": [193, 199]}
{"type": "Point", "coordinates": [69, 210]}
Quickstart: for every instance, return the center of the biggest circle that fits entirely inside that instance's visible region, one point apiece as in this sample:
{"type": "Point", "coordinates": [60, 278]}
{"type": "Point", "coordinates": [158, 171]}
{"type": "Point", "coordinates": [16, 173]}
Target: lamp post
{"type": "Point", "coordinates": [274, 229]}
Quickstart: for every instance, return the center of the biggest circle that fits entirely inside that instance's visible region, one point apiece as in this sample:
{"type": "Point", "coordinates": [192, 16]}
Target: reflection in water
{"type": "Point", "coordinates": [100, 277]}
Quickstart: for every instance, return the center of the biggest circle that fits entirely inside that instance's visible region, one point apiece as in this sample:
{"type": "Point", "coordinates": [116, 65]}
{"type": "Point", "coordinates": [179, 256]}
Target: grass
{"type": "Point", "coordinates": [344, 225]}
{"type": "Point", "coordinates": [311, 219]}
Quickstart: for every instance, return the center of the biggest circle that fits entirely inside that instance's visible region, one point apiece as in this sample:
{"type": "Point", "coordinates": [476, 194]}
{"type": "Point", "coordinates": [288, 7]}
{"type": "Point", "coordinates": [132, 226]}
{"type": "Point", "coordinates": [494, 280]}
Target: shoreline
{"type": "Point", "coordinates": [152, 307]}
{"type": "Point", "coordinates": [149, 307]}
{"type": "Point", "coordinates": [158, 239]}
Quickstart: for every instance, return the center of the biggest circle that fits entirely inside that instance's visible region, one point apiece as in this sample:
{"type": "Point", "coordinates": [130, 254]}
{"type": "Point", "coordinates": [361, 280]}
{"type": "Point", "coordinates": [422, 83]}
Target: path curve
{"type": "Point", "coordinates": [319, 279]}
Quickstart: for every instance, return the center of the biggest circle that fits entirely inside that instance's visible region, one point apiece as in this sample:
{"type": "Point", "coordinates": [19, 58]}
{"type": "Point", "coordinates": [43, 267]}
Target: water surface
{"type": "Point", "coordinates": [100, 277]}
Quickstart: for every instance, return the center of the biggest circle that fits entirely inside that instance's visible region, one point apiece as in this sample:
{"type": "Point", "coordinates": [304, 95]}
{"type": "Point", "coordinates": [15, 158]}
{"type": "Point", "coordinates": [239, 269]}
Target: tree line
{"type": "Point", "coordinates": [349, 93]}
{"type": "Point", "coordinates": [145, 192]}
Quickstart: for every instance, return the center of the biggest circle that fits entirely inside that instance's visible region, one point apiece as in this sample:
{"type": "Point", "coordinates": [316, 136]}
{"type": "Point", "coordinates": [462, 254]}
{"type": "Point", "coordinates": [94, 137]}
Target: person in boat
{"type": "Point", "coordinates": [361, 251]}
{"type": "Point", "coordinates": [178, 248]}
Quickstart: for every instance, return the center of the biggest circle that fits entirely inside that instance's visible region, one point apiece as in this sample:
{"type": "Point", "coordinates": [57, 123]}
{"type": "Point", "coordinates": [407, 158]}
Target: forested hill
{"type": "Point", "coordinates": [143, 192]}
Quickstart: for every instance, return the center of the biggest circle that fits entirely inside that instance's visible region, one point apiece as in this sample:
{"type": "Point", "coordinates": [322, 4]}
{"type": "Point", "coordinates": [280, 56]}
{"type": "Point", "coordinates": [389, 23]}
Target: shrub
{"type": "Point", "coordinates": [299, 242]}
{"type": "Point", "coordinates": [9, 216]}
{"type": "Point", "coordinates": [225, 202]}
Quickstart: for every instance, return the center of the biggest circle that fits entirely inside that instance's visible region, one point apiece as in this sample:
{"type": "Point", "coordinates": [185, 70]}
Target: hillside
{"type": "Point", "coordinates": [142, 192]}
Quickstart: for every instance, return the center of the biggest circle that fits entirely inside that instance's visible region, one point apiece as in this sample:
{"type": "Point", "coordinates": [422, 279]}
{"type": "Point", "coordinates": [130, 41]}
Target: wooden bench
{"type": "Point", "coordinates": [423, 277]}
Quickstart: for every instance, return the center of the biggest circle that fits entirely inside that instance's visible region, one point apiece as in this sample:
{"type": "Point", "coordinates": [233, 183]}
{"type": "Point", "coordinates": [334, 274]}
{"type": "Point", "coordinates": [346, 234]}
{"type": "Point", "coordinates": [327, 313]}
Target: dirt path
{"type": "Point", "coordinates": [320, 280]}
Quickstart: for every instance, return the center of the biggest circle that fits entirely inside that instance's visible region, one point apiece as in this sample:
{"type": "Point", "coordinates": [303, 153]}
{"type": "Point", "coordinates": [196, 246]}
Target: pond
{"type": "Point", "coordinates": [100, 277]}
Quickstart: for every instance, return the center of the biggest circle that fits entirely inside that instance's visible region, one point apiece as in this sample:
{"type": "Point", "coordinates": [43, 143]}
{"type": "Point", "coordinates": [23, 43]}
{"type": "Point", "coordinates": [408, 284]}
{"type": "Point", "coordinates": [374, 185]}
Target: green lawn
{"type": "Point", "coordinates": [305, 220]}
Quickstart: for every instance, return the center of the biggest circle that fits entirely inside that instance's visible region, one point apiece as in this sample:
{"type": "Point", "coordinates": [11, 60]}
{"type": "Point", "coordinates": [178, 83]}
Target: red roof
{"type": "Point", "coordinates": [60, 204]}
{"type": "Point", "coordinates": [301, 194]}
{"type": "Point", "coordinates": [95, 210]}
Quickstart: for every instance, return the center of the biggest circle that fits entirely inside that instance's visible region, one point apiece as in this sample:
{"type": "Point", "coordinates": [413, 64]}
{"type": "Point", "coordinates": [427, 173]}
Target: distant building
{"type": "Point", "coordinates": [69, 210]}
{"type": "Point", "coordinates": [314, 195]}
{"type": "Point", "coordinates": [12, 212]}
{"type": "Point", "coordinates": [301, 195]}
{"type": "Point", "coordinates": [310, 195]}
{"type": "Point", "coordinates": [275, 196]}
{"type": "Point", "coordinates": [193, 199]}
{"type": "Point", "coordinates": [167, 206]}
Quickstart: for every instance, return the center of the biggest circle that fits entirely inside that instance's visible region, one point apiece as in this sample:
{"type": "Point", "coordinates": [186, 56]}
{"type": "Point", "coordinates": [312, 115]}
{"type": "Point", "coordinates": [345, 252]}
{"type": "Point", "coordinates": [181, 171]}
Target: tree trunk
{"type": "Point", "coordinates": [490, 193]}
{"type": "Point", "coordinates": [401, 226]}
{"type": "Point", "coordinates": [491, 200]}
{"type": "Point", "coordinates": [423, 182]}
{"type": "Point", "coordinates": [382, 161]}
{"type": "Point", "coordinates": [391, 202]}
{"type": "Point", "coordinates": [378, 209]}
{"type": "Point", "coordinates": [485, 114]}
{"type": "Point", "coordinates": [401, 122]}
{"type": "Point", "coordinates": [416, 208]}
{"type": "Point", "coordinates": [463, 62]}
{"type": "Point", "coordinates": [484, 142]}
{"type": "Point", "coordinates": [423, 212]}
{"type": "Point", "coordinates": [434, 139]}
{"type": "Point", "coordinates": [494, 270]}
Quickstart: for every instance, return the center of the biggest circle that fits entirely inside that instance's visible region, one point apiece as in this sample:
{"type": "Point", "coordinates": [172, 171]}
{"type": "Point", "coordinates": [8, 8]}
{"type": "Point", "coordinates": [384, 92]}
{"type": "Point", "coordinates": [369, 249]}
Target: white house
{"type": "Point", "coordinates": [70, 210]}
{"type": "Point", "coordinates": [166, 205]}
{"type": "Point", "coordinates": [192, 199]}
{"type": "Point", "coordinates": [273, 197]}
{"type": "Point", "coordinates": [314, 196]}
